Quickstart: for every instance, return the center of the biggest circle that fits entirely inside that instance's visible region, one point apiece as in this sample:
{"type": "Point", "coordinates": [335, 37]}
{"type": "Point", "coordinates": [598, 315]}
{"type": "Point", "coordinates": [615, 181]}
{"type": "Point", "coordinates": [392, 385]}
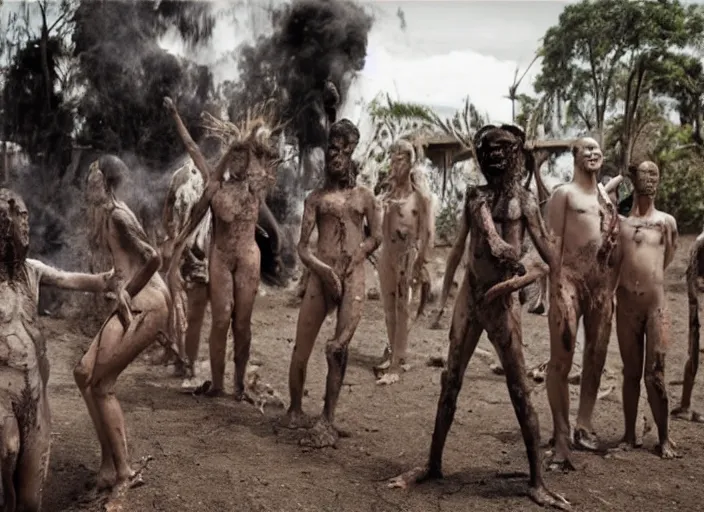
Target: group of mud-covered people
{"type": "Point", "coordinates": [595, 261]}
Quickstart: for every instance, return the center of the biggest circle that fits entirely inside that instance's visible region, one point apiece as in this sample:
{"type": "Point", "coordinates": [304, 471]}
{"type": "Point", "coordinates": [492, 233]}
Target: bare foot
{"type": "Point", "coordinates": [584, 440]}
{"type": "Point", "coordinates": [416, 475]}
{"type": "Point", "coordinates": [557, 463]}
{"type": "Point", "coordinates": [496, 369]}
{"type": "Point", "coordinates": [106, 478]}
{"type": "Point", "coordinates": [206, 389]}
{"type": "Point", "coordinates": [294, 420]}
{"type": "Point", "coordinates": [388, 378]}
{"type": "Point", "coordinates": [546, 498]}
{"type": "Point", "coordinates": [244, 396]}
{"type": "Point", "coordinates": [667, 450]}
{"type": "Point", "coordinates": [628, 444]}
{"type": "Point", "coordinates": [683, 413]}
{"type": "Point", "coordinates": [322, 435]}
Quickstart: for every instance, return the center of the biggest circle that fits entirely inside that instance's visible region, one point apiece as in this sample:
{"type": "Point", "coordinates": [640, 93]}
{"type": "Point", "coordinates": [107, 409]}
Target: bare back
{"type": "Point", "coordinates": [123, 229]}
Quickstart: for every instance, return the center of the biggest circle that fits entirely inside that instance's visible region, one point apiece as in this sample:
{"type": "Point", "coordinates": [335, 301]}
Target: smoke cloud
{"type": "Point", "coordinates": [313, 41]}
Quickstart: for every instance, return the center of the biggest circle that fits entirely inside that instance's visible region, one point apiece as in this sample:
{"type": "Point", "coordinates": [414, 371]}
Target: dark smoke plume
{"type": "Point", "coordinates": [314, 41]}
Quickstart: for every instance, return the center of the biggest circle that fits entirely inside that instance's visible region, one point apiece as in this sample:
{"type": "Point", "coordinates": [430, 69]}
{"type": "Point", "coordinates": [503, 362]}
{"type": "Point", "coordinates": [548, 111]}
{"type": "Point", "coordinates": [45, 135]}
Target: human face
{"type": "Point", "coordinates": [646, 179]}
{"type": "Point", "coordinates": [499, 154]}
{"type": "Point", "coordinates": [588, 156]}
{"type": "Point", "coordinates": [95, 185]}
{"type": "Point", "coordinates": [400, 163]}
{"type": "Point", "coordinates": [14, 225]}
{"type": "Point", "coordinates": [338, 157]}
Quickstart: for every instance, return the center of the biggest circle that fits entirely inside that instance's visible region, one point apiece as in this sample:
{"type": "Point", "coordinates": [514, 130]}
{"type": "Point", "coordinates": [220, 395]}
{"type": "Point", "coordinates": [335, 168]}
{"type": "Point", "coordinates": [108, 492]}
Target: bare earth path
{"type": "Point", "coordinates": [220, 456]}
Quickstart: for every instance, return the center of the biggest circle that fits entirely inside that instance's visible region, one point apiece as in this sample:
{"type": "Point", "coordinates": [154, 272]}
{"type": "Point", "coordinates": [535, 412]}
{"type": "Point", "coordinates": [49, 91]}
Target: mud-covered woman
{"type": "Point", "coordinates": [142, 314]}
{"type": "Point", "coordinates": [25, 430]}
{"type": "Point", "coordinates": [339, 210]}
{"type": "Point", "coordinates": [234, 191]}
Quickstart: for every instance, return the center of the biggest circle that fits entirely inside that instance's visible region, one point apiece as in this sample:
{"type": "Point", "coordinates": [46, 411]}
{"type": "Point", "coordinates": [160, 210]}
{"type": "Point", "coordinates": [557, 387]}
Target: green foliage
{"type": "Point", "coordinates": [681, 193]}
{"type": "Point", "coordinates": [596, 42]}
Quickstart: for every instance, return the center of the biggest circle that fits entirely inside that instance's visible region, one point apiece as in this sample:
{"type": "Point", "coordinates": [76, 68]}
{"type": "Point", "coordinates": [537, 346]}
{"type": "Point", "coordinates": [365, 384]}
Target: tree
{"type": "Point", "coordinates": [596, 42]}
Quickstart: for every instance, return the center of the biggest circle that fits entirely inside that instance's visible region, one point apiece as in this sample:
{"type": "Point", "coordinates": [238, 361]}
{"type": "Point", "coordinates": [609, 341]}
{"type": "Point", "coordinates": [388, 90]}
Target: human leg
{"type": "Point", "coordinates": [465, 332]}
{"type": "Point", "coordinates": [597, 330]}
{"type": "Point", "coordinates": [692, 365]}
{"type": "Point", "coordinates": [504, 331]}
{"type": "Point", "coordinates": [247, 279]}
{"type": "Point", "coordinates": [33, 462]}
{"type": "Point", "coordinates": [387, 284]}
{"type": "Point", "coordinates": [221, 287]}
{"type": "Point", "coordinates": [655, 350]}
{"type": "Point", "coordinates": [336, 351]}
{"type": "Point", "coordinates": [630, 331]}
{"type": "Point", "coordinates": [197, 302]}
{"type": "Point", "coordinates": [563, 314]}
{"type": "Point", "coordinates": [310, 319]}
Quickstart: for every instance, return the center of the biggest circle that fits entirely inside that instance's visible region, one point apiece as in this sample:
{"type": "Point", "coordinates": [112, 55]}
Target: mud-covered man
{"type": "Point", "coordinates": [584, 222]}
{"type": "Point", "coordinates": [24, 367]}
{"type": "Point", "coordinates": [498, 213]}
{"type": "Point", "coordinates": [338, 209]}
{"type": "Point", "coordinates": [648, 240]}
{"type": "Point", "coordinates": [408, 234]}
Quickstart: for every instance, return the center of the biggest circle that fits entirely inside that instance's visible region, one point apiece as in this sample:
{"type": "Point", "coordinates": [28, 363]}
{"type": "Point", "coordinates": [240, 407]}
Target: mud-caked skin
{"type": "Point", "coordinates": [498, 215]}
{"type": "Point", "coordinates": [233, 191]}
{"type": "Point", "coordinates": [408, 231]}
{"type": "Point", "coordinates": [585, 225]}
{"type": "Point", "coordinates": [648, 241]}
{"type": "Point", "coordinates": [338, 209]}
{"type": "Point", "coordinates": [695, 271]}
{"type": "Point", "coordinates": [142, 314]}
{"type": "Point", "coordinates": [25, 424]}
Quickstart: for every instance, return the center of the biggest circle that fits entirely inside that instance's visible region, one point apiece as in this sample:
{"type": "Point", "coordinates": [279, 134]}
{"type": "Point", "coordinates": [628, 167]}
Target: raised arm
{"type": "Point", "coordinates": [78, 281]}
{"type": "Point", "coordinates": [191, 146]}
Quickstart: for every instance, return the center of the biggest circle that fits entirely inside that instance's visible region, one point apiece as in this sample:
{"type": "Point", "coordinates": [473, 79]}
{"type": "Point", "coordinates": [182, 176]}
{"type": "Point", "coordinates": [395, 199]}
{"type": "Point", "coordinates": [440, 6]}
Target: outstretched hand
{"type": "Point", "coordinates": [169, 104]}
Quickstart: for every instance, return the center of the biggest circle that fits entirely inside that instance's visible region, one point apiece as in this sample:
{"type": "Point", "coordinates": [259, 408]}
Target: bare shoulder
{"type": "Point", "coordinates": [313, 197]}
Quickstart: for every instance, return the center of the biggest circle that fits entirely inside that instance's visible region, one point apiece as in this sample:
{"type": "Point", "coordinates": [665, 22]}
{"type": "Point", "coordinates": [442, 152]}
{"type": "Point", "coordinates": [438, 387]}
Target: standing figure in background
{"type": "Point", "coordinates": [408, 236]}
{"type": "Point", "coordinates": [142, 314]}
{"type": "Point", "coordinates": [233, 191]}
{"type": "Point", "coordinates": [695, 270]}
{"type": "Point", "coordinates": [648, 241]}
{"type": "Point", "coordinates": [338, 209]}
{"type": "Point", "coordinates": [25, 428]}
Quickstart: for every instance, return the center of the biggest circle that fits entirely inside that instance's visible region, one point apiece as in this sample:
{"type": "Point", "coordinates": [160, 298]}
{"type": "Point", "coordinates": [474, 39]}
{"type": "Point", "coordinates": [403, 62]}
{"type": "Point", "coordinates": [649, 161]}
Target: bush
{"type": "Point", "coordinates": [681, 193]}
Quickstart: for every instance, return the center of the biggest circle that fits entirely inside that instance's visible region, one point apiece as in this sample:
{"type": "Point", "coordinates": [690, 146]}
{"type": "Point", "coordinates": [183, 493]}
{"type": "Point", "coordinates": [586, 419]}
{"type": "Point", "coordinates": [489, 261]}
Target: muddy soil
{"type": "Point", "coordinates": [217, 455]}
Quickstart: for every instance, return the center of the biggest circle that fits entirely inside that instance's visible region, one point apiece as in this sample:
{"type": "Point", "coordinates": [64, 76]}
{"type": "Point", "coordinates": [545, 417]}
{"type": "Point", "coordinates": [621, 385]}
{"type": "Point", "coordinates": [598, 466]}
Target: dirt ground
{"type": "Point", "coordinates": [217, 455]}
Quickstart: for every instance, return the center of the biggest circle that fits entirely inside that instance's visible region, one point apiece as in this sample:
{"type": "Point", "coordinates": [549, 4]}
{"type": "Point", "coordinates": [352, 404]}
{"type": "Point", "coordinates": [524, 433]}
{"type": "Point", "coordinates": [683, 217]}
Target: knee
{"type": "Point", "coordinates": [81, 374]}
{"type": "Point", "coordinates": [558, 368]}
{"type": "Point", "coordinates": [336, 353]}
{"type": "Point", "coordinates": [242, 332]}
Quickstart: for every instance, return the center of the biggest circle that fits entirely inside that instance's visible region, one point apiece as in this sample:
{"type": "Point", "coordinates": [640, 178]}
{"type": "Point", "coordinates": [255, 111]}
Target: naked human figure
{"type": "Point", "coordinates": [233, 191]}
{"type": "Point", "coordinates": [695, 270]}
{"type": "Point", "coordinates": [648, 241]}
{"type": "Point", "coordinates": [408, 236]}
{"type": "Point", "coordinates": [338, 209]}
{"type": "Point", "coordinates": [142, 314]}
{"type": "Point", "coordinates": [25, 431]}
{"type": "Point", "coordinates": [502, 206]}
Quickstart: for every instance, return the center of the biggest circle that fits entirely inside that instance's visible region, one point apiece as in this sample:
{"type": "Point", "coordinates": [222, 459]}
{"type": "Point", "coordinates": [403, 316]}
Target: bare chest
{"type": "Point", "coordinates": [402, 214]}
{"type": "Point", "coordinates": [234, 201]}
{"type": "Point", "coordinates": [637, 233]}
{"type": "Point", "coordinates": [343, 206]}
{"type": "Point", "coordinates": [21, 341]}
